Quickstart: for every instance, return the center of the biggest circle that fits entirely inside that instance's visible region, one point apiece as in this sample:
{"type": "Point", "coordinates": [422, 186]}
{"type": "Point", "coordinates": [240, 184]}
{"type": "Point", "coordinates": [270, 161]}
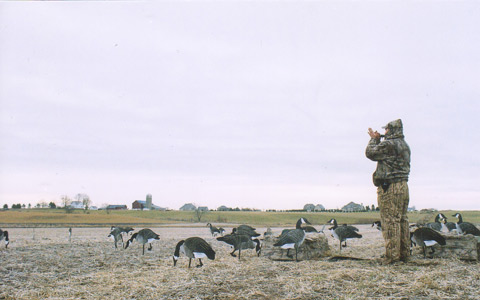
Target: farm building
{"type": "Point", "coordinates": [141, 204]}
{"type": "Point", "coordinates": [351, 207]}
{"type": "Point", "coordinates": [188, 207]}
{"type": "Point", "coordinates": [77, 205]}
{"type": "Point", "coordinates": [312, 207]}
{"type": "Point", "coordinates": [116, 207]}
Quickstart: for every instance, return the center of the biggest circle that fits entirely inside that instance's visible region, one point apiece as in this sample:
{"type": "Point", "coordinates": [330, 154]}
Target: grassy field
{"type": "Point", "coordinates": [59, 217]}
{"type": "Point", "coordinates": [41, 263]}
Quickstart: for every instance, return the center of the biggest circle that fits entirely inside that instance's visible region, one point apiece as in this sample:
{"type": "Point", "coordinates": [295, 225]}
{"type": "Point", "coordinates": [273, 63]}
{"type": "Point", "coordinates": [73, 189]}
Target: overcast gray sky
{"type": "Point", "coordinates": [244, 104]}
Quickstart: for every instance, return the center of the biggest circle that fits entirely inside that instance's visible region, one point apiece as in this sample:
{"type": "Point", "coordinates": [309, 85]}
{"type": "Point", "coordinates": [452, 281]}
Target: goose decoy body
{"type": "Point", "coordinates": [143, 236]}
{"type": "Point", "coordinates": [193, 247]}
{"type": "Point", "coordinates": [116, 234]}
{"type": "Point", "coordinates": [298, 225]}
{"type": "Point", "coordinates": [344, 232]}
{"type": "Point", "coordinates": [126, 230]}
{"type": "Point", "coordinates": [241, 242]}
{"type": "Point", "coordinates": [245, 229]}
{"type": "Point", "coordinates": [447, 226]}
{"type": "Point", "coordinates": [435, 225]}
{"type": "Point", "coordinates": [292, 238]}
{"type": "Point", "coordinates": [213, 230]}
{"type": "Point", "coordinates": [4, 235]}
{"type": "Point", "coordinates": [426, 237]}
{"type": "Point", "coordinates": [466, 227]}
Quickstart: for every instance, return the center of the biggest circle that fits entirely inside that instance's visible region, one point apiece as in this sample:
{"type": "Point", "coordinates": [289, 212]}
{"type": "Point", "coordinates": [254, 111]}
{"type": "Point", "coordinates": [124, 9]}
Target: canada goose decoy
{"type": "Point", "coordinates": [292, 238]}
{"type": "Point", "coordinates": [435, 225]}
{"type": "Point", "coordinates": [378, 225]}
{"type": "Point", "coordinates": [426, 237]}
{"type": "Point", "coordinates": [298, 225]}
{"type": "Point", "coordinates": [116, 234]}
{"type": "Point", "coordinates": [466, 227]}
{"type": "Point", "coordinates": [245, 229]}
{"type": "Point", "coordinates": [268, 232]}
{"type": "Point", "coordinates": [222, 230]}
{"type": "Point", "coordinates": [447, 226]}
{"type": "Point", "coordinates": [193, 247]}
{"type": "Point", "coordinates": [344, 232]}
{"type": "Point", "coordinates": [4, 235]}
{"type": "Point", "coordinates": [143, 236]}
{"type": "Point", "coordinates": [213, 230]}
{"type": "Point", "coordinates": [241, 242]}
{"type": "Point", "coordinates": [125, 230]}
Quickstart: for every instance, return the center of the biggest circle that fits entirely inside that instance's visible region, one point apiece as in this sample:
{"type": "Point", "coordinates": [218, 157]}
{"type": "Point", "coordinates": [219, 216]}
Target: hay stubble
{"type": "Point", "coordinates": [89, 267]}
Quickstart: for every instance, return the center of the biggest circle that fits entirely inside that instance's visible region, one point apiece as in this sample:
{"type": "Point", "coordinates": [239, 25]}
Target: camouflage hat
{"type": "Point", "coordinates": [394, 124]}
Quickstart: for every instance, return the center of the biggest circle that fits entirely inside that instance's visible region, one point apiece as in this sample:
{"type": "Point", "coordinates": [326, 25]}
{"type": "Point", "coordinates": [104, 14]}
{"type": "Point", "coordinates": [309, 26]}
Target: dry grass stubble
{"type": "Point", "coordinates": [50, 267]}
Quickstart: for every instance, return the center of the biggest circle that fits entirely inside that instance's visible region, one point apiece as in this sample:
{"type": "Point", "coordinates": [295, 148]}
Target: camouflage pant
{"type": "Point", "coordinates": [393, 205]}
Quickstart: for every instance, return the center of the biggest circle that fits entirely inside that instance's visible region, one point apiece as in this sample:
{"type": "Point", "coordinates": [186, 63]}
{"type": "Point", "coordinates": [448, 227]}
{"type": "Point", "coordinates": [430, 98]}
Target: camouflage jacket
{"type": "Point", "coordinates": [392, 155]}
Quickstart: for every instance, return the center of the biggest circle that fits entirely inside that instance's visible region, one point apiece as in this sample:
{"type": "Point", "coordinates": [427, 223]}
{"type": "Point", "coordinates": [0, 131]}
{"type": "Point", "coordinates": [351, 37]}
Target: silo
{"type": "Point", "coordinates": [149, 201]}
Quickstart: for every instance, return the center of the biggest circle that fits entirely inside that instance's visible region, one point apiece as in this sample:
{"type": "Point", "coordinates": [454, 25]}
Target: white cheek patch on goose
{"type": "Point", "coordinates": [199, 255]}
{"type": "Point", "coordinates": [288, 246]}
{"type": "Point", "coordinates": [175, 257]}
{"type": "Point", "coordinates": [7, 242]}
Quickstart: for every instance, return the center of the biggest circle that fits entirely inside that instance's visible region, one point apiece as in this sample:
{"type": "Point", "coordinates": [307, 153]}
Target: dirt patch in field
{"type": "Point", "coordinates": [41, 263]}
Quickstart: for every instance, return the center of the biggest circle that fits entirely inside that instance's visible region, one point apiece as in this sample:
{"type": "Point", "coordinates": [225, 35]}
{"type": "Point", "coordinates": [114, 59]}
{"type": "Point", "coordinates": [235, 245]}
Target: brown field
{"type": "Point", "coordinates": [41, 263]}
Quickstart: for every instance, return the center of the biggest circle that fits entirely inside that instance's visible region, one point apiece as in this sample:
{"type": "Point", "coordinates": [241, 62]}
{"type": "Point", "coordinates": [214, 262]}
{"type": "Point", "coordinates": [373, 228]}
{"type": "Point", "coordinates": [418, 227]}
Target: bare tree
{"type": "Point", "coordinates": [86, 202]}
{"type": "Point", "coordinates": [65, 201]}
{"type": "Point", "coordinates": [199, 214]}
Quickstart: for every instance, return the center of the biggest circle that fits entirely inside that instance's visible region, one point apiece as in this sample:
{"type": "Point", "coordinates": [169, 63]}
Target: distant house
{"type": "Point", "coordinates": [93, 208]}
{"type": "Point", "coordinates": [319, 207]}
{"type": "Point", "coordinates": [309, 207]}
{"type": "Point", "coordinates": [351, 207]}
{"type": "Point", "coordinates": [224, 208]}
{"type": "Point", "coordinates": [116, 207]}
{"type": "Point", "coordinates": [203, 208]}
{"type": "Point", "coordinates": [188, 207]}
{"type": "Point", "coordinates": [77, 205]}
{"type": "Point", "coordinates": [141, 204]}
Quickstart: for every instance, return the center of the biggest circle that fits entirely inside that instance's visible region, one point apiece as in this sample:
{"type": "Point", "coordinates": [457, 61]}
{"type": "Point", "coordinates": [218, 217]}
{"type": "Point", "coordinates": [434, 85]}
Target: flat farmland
{"type": "Point", "coordinates": [41, 263]}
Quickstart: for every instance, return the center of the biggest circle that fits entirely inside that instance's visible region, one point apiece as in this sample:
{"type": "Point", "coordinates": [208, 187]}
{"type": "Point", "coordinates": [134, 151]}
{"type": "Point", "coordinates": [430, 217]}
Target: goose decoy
{"type": "Point", "coordinates": [292, 238]}
{"type": "Point", "coordinates": [344, 232]}
{"type": "Point", "coordinates": [4, 235]}
{"type": "Point", "coordinates": [126, 230]}
{"type": "Point", "coordinates": [298, 225]}
{"type": "Point", "coordinates": [245, 229]}
{"type": "Point", "coordinates": [466, 227]}
{"type": "Point", "coordinates": [143, 236]}
{"type": "Point", "coordinates": [116, 234]}
{"type": "Point", "coordinates": [426, 237]}
{"type": "Point", "coordinates": [378, 225]}
{"type": "Point", "coordinates": [447, 226]}
{"type": "Point", "coordinates": [241, 242]}
{"type": "Point", "coordinates": [193, 247]}
{"type": "Point", "coordinates": [213, 230]}
{"type": "Point", "coordinates": [435, 225]}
